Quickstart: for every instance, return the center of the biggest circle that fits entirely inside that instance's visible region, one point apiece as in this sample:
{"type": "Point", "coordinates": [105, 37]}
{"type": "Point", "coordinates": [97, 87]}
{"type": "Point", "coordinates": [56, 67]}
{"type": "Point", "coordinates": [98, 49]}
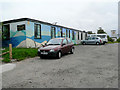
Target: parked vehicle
{"type": "Point", "coordinates": [92, 40]}
{"type": "Point", "coordinates": [56, 47]}
{"type": "Point", "coordinates": [102, 36]}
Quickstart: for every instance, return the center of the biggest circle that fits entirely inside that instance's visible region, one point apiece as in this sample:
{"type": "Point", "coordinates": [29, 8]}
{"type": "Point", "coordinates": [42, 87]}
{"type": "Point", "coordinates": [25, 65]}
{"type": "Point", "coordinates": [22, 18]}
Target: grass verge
{"type": "Point", "coordinates": [20, 54]}
{"type": "Point", "coordinates": [109, 42]}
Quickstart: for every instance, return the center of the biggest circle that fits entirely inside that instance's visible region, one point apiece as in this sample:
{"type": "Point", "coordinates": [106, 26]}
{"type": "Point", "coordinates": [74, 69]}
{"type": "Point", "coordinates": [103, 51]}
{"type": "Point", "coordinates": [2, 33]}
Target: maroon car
{"type": "Point", "coordinates": [56, 47]}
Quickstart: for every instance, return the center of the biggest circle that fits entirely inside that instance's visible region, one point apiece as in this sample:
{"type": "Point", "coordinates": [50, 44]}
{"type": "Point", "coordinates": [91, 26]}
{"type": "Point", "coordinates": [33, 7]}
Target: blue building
{"type": "Point", "coordinates": [26, 32]}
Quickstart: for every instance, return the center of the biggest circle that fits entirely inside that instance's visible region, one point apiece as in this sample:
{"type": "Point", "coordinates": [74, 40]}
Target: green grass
{"type": "Point", "coordinates": [113, 42]}
{"type": "Point", "coordinates": [77, 44]}
{"type": "Point", "coordinates": [20, 54]}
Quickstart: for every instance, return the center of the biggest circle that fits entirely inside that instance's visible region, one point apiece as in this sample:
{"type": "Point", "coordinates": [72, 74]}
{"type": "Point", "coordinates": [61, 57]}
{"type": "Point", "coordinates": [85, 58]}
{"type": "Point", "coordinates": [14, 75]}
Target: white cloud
{"type": "Point", "coordinates": [79, 14]}
{"type": "Point", "coordinates": [59, 1]}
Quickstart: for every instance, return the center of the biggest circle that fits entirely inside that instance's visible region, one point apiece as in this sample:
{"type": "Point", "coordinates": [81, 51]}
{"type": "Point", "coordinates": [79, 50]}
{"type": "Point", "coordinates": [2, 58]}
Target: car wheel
{"type": "Point", "coordinates": [59, 55]}
{"type": "Point", "coordinates": [97, 43]}
{"type": "Point", "coordinates": [72, 51]}
{"type": "Point", "coordinates": [83, 43]}
{"type": "Point", "coordinates": [41, 57]}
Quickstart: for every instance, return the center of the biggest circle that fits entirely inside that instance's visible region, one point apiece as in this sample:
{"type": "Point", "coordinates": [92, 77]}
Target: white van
{"type": "Point", "coordinates": [102, 36]}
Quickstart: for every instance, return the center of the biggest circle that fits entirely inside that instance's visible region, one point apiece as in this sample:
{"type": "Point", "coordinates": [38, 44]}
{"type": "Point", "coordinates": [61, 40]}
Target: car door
{"type": "Point", "coordinates": [64, 46]}
{"type": "Point", "coordinates": [69, 45]}
{"type": "Point", "coordinates": [89, 41]}
{"type": "Point", "coordinates": [93, 40]}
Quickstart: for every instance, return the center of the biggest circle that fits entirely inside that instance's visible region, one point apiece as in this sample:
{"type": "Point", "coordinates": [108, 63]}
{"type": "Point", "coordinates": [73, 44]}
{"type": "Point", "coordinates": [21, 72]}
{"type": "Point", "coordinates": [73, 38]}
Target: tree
{"type": "Point", "coordinates": [90, 32]}
{"type": "Point", "coordinates": [101, 31]}
{"type": "Point", "coordinates": [110, 39]}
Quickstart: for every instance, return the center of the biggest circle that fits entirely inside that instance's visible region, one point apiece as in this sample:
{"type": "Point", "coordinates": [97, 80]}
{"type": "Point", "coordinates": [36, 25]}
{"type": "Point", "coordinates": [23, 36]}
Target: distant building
{"type": "Point", "coordinates": [113, 35]}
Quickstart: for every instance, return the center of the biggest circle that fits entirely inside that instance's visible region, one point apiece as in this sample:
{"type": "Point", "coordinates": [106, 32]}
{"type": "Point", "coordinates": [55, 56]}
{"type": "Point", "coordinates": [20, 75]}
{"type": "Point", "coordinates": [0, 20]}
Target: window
{"type": "Point", "coordinates": [89, 38]}
{"type": "Point", "coordinates": [93, 38]}
{"type": "Point", "coordinates": [66, 33]}
{"type": "Point", "coordinates": [86, 38]}
{"type": "Point", "coordinates": [101, 36]}
{"type": "Point", "coordinates": [69, 33]}
{"type": "Point", "coordinates": [64, 41]}
{"type": "Point", "coordinates": [54, 42]}
{"type": "Point", "coordinates": [86, 34]}
{"type": "Point", "coordinates": [53, 32]}
{"type": "Point", "coordinates": [78, 36]}
{"type": "Point", "coordinates": [61, 32]}
{"type": "Point", "coordinates": [37, 31]}
{"type": "Point", "coordinates": [73, 37]}
{"type": "Point", "coordinates": [81, 36]}
{"type": "Point", "coordinates": [20, 27]}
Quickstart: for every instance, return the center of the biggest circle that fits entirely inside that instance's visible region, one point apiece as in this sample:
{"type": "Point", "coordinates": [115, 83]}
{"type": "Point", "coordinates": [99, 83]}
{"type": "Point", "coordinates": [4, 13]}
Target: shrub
{"type": "Point", "coordinates": [20, 54]}
{"type": "Point", "coordinates": [110, 39]}
{"type": "Point", "coordinates": [6, 60]}
{"type": "Point", "coordinates": [118, 39]}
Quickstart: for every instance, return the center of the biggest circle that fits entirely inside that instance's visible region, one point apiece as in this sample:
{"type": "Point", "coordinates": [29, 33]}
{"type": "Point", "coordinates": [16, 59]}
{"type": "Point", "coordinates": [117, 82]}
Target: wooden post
{"type": "Point", "coordinates": [10, 50]}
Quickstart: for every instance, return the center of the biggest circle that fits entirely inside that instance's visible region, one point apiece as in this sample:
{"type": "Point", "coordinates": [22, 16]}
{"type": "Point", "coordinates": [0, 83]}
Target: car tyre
{"type": "Point", "coordinates": [72, 51]}
{"type": "Point", "coordinates": [41, 57]}
{"type": "Point", "coordinates": [97, 43]}
{"type": "Point", "coordinates": [104, 43]}
{"type": "Point", "coordinates": [59, 55]}
{"type": "Point", "coordinates": [83, 43]}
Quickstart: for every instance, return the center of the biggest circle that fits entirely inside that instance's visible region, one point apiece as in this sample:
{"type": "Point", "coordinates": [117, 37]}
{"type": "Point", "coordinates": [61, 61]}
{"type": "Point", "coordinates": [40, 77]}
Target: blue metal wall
{"type": "Point", "coordinates": [26, 37]}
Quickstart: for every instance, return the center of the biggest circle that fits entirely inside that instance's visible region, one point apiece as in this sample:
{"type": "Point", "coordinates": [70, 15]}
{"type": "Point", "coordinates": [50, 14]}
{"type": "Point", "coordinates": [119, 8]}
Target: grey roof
{"type": "Point", "coordinates": [33, 20]}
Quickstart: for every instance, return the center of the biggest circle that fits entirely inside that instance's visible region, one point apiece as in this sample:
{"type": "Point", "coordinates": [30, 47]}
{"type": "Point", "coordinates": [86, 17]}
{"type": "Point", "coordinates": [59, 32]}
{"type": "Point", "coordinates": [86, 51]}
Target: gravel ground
{"type": "Point", "coordinates": [90, 66]}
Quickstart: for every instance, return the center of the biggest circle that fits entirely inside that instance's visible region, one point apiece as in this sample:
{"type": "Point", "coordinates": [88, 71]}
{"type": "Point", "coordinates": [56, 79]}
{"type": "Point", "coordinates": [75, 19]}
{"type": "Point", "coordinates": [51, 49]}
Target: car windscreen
{"type": "Point", "coordinates": [54, 42]}
{"type": "Point", "coordinates": [101, 36]}
{"type": "Point", "coordinates": [69, 41]}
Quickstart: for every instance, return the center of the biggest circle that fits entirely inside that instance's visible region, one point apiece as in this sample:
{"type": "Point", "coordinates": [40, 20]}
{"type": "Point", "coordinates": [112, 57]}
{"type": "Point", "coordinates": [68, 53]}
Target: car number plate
{"type": "Point", "coordinates": [45, 53]}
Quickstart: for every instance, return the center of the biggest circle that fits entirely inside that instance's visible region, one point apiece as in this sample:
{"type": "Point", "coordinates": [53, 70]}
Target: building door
{"type": "Point", "coordinates": [53, 32]}
{"type": "Point", "coordinates": [6, 32]}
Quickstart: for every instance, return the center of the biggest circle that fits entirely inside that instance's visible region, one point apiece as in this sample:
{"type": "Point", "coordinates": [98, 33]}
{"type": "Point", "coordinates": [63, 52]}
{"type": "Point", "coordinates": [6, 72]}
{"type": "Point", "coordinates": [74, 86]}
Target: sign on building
{"type": "Point", "coordinates": [113, 33]}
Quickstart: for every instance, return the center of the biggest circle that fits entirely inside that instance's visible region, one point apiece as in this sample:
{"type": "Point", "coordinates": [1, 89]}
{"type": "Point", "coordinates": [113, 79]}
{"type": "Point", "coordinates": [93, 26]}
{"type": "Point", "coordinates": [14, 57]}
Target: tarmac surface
{"type": "Point", "coordinates": [90, 66]}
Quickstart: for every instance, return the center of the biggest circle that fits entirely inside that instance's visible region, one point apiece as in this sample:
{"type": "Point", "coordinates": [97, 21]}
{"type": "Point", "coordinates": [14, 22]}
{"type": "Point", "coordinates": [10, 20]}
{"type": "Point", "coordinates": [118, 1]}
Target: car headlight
{"type": "Point", "coordinates": [38, 50]}
{"type": "Point", "coordinates": [52, 50]}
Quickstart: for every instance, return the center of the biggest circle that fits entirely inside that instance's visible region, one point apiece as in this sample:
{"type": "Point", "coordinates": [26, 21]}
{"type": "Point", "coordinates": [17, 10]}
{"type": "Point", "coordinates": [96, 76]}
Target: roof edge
{"type": "Point", "coordinates": [34, 20]}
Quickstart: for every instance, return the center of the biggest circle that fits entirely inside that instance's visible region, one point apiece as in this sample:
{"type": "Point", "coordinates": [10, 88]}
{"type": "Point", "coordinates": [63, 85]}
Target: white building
{"type": "Point", "coordinates": [113, 35]}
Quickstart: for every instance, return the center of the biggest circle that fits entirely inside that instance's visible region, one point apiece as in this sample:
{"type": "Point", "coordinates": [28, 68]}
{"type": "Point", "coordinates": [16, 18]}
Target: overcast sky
{"type": "Point", "coordinates": [86, 15]}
